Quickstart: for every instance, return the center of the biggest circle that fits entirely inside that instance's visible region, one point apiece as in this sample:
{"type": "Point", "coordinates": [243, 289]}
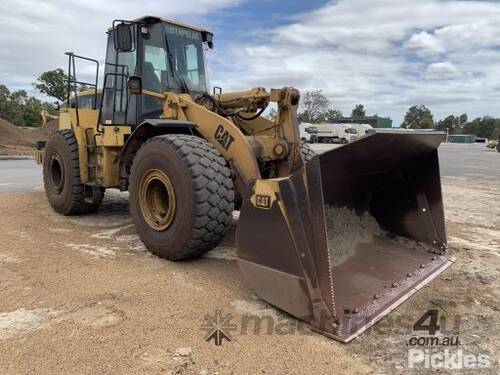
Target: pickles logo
{"type": "Point", "coordinates": [223, 137]}
{"type": "Point", "coordinates": [440, 347]}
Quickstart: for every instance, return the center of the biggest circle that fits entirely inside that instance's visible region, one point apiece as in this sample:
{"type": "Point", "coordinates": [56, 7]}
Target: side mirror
{"type": "Point", "coordinates": [123, 37]}
{"type": "Point", "coordinates": [134, 85]}
{"type": "Point", "coordinates": [207, 37]}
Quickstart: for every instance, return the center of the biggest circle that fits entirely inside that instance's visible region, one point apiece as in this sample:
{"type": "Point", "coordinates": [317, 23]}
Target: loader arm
{"type": "Point", "coordinates": [219, 131]}
{"type": "Point", "coordinates": [238, 147]}
{"type": "Point", "coordinates": [288, 126]}
{"type": "Point", "coordinates": [286, 129]}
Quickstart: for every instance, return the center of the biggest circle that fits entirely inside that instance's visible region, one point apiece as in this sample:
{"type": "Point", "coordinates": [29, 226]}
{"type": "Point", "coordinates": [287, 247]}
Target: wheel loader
{"type": "Point", "coordinates": [338, 239]}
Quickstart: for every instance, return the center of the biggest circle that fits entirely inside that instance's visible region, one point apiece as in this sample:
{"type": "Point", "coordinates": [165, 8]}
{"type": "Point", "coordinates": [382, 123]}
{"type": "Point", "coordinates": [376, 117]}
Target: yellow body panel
{"type": "Point", "coordinates": [64, 119]}
{"type": "Point", "coordinates": [241, 142]}
{"type": "Point", "coordinates": [224, 135]}
{"type": "Point", "coordinates": [87, 118]}
{"type": "Point", "coordinates": [108, 141]}
{"type": "Point", "coordinates": [109, 167]}
{"type": "Point", "coordinates": [113, 135]}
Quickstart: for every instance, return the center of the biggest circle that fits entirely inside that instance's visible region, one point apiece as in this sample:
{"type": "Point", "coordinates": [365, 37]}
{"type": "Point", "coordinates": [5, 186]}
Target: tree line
{"type": "Point", "coordinates": [20, 109]}
{"type": "Point", "coordinates": [23, 110]}
{"type": "Point", "coordinates": [317, 108]}
{"type": "Point", "coordinates": [421, 117]}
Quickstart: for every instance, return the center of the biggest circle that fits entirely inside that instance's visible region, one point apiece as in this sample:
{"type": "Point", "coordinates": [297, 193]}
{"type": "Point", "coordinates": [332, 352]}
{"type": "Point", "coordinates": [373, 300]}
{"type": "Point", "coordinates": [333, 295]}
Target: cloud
{"type": "Point", "coordinates": [442, 70]}
{"type": "Point", "coordinates": [387, 54]}
{"type": "Point", "coordinates": [473, 35]}
{"type": "Point", "coordinates": [36, 33]}
{"type": "Point", "coordinates": [425, 43]}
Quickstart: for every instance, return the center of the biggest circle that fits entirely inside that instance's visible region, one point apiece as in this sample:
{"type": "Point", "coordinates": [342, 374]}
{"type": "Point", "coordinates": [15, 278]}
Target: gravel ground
{"type": "Point", "coordinates": [467, 294]}
{"type": "Point", "coordinates": [82, 295]}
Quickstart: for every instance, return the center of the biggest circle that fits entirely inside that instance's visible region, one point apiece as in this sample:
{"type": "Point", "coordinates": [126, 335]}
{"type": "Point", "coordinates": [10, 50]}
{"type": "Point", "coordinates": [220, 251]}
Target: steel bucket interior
{"type": "Point", "coordinates": [288, 251]}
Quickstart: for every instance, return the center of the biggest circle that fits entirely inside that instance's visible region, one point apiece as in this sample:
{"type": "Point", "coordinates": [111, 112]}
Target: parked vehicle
{"type": "Point", "coordinates": [336, 133]}
{"type": "Point", "coordinates": [493, 143]}
{"type": "Point", "coordinates": [308, 132]}
{"type": "Point", "coordinates": [362, 129]}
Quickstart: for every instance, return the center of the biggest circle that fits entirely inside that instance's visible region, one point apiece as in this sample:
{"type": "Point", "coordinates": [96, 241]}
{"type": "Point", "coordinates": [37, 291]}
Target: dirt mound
{"type": "Point", "coordinates": [346, 230]}
{"type": "Point", "coordinates": [15, 140]}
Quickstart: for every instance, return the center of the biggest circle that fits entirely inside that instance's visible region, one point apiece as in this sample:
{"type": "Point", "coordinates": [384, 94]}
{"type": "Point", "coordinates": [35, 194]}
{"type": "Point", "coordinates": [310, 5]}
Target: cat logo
{"type": "Point", "coordinates": [263, 201]}
{"type": "Point", "coordinates": [223, 137]}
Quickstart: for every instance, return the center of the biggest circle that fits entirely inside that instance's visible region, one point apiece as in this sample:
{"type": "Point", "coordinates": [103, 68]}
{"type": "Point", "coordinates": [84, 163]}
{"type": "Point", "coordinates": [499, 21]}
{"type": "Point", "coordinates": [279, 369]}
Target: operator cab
{"type": "Point", "coordinates": [166, 55]}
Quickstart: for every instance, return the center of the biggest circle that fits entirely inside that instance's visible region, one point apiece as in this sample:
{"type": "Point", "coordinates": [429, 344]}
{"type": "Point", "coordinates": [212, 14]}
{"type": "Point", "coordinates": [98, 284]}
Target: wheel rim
{"type": "Point", "coordinates": [157, 199]}
{"type": "Point", "coordinates": [56, 173]}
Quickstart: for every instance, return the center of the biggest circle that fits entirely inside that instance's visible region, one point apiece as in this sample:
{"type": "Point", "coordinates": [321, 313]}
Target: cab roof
{"type": "Point", "coordinates": [154, 19]}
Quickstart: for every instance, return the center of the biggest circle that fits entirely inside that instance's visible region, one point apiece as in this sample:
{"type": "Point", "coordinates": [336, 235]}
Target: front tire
{"type": "Point", "coordinates": [181, 196]}
{"type": "Point", "coordinates": [61, 176]}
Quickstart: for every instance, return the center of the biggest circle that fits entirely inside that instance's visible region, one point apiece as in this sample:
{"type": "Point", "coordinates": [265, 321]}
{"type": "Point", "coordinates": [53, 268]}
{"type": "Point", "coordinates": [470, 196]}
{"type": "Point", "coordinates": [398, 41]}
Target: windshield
{"type": "Point", "coordinates": [173, 58]}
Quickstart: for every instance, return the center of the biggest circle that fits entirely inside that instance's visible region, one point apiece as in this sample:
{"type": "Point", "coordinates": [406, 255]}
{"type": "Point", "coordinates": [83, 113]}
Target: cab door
{"type": "Point", "coordinates": [118, 107]}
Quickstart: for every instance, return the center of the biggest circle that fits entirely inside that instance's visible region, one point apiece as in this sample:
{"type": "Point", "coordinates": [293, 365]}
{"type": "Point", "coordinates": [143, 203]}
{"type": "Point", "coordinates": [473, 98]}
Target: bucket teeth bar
{"type": "Point", "coordinates": [384, 193]}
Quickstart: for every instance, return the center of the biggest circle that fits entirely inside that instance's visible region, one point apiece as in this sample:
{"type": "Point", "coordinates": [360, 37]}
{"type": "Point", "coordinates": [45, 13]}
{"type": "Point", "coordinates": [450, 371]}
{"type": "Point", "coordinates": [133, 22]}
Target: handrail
{"type": "Point", "coordinates": [73, 80]}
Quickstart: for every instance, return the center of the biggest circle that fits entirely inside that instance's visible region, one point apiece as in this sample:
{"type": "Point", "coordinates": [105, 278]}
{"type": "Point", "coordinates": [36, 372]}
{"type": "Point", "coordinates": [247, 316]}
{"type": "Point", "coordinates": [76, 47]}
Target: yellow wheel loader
{"type": "Point", "coordinates": [337, 240]}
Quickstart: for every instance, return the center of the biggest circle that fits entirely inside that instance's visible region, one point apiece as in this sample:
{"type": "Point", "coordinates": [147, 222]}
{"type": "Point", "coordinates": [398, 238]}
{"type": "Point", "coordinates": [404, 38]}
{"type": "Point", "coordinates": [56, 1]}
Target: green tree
{"type": "Point", "coordinates": [15, 107]}
{"type": "Point", "coordinates": [31, 112]}
{"type": "Point", "coordinates": [481, 127]}
{"type": "Point", "coordinates": [20, 109]}
{"type": "Point", "coordinates": [331, 114]}
{"type": "Point", "coordinates": [452, 124]}
{"type": "Point", "coordinates": [315, 106]}
{"type": "Point", "coordinates": [358, 111]}
{"type": "Point", "coordinates": [418, 117]}
{"type": "Point", "coordinates": [53, 83]}
{"type": "Point", "coordinates": [4, 100]}
{"type": "Point", "coordinates": [463, 119]}
{"type": "Point", "coordinates": [496, 133]}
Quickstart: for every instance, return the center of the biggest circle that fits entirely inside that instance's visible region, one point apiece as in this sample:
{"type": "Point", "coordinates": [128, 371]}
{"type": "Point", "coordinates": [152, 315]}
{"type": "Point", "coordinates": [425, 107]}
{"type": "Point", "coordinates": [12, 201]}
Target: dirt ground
{"type": "Point", "coordinates": [15, 140]}
{"type": "Point", "coordinates": [82, 295]}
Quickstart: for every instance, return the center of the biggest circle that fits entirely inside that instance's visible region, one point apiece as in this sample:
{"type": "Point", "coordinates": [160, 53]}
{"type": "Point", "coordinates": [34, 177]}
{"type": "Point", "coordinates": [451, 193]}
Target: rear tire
{"type": "Point", "coordinates": [187, 173]}
{"type": "Point", "coordinates": [61, 176]}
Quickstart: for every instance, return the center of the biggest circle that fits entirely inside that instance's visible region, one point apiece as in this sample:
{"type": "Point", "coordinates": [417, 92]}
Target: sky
{"type": "Point", "coordinates": [385, 54]}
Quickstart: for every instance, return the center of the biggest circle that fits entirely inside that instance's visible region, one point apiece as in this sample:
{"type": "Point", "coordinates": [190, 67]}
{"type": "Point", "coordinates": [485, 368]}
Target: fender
{"type": "Point", "coordinates": [145, 130]}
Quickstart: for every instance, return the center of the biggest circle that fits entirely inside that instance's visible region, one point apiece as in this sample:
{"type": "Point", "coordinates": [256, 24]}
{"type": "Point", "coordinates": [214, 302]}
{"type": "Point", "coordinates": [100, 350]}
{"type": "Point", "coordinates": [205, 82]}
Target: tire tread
{"type": "Point", "coordinates": [213, 194]}
{"type": "Point", "coordinates": [78, 204]}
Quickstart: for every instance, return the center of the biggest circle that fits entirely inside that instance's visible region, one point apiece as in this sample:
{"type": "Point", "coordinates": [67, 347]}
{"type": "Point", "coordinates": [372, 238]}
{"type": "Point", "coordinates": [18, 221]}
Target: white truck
{"type": "Point", "coordinates": [335, 133]}
{"type": "Point", "coordinates": [307, 132]}
{"type": "Point", "coordinates": [362, 129]}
